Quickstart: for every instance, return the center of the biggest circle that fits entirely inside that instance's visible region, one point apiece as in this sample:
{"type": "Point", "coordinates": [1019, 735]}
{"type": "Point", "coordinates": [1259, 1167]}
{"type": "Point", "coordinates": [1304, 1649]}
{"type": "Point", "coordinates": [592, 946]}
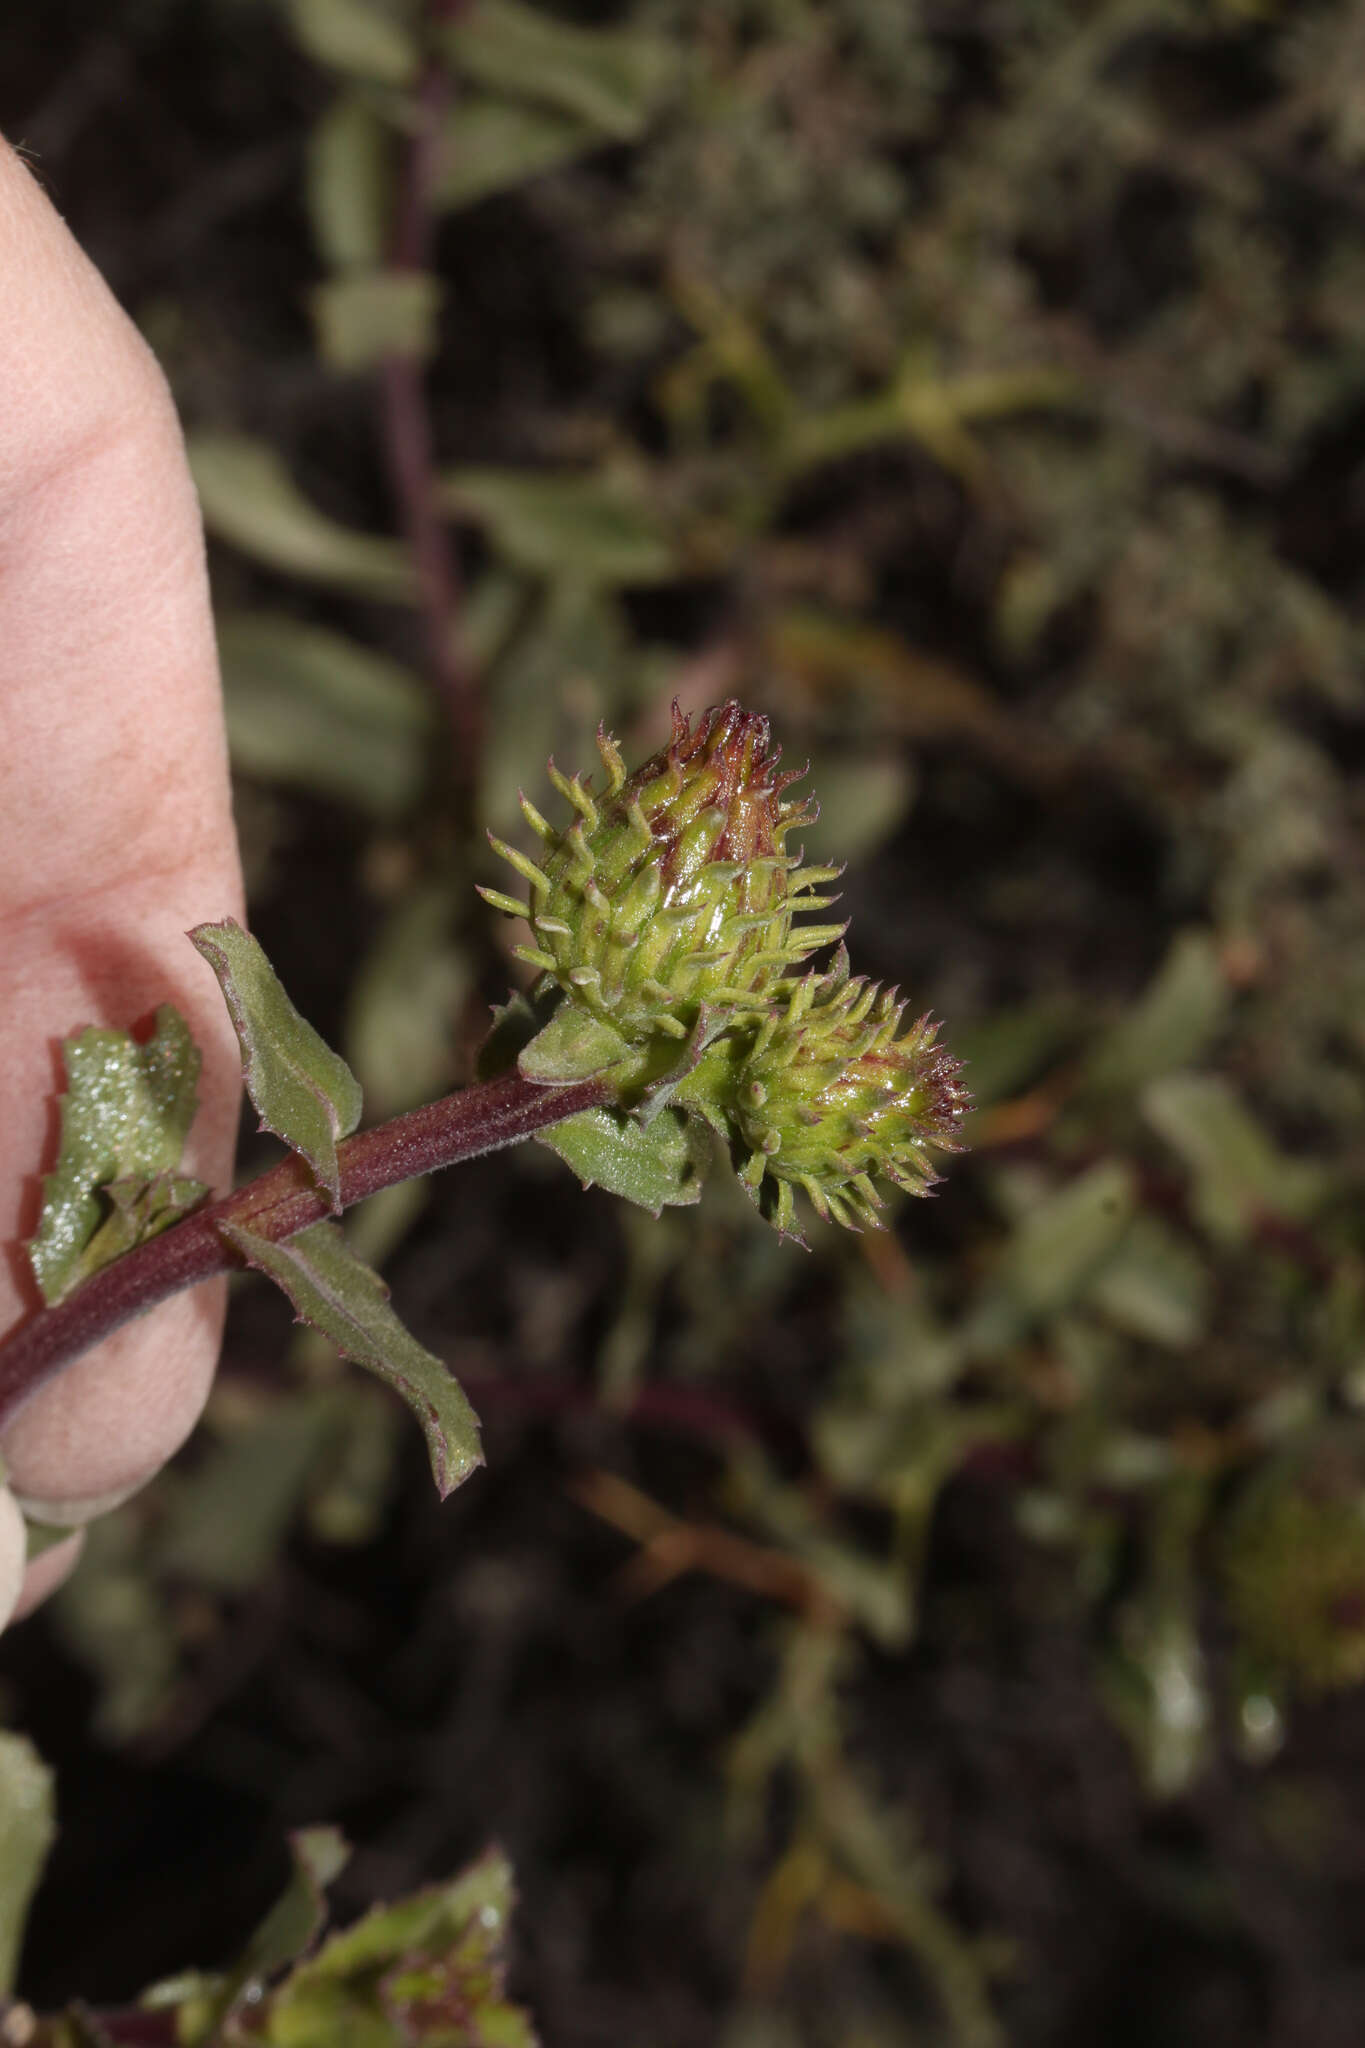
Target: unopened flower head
{"type": "Point", "coordinates": [833, 1095]}
{"type": "Point", "coordinates": [672, 888]}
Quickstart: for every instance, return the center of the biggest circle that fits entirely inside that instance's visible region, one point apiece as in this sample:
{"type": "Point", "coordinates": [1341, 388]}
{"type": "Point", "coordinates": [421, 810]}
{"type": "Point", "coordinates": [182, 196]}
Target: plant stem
{"type": "Point", "coordinates": [280, 1203]}
{"type": "Point", "coordinates": [409, 440]}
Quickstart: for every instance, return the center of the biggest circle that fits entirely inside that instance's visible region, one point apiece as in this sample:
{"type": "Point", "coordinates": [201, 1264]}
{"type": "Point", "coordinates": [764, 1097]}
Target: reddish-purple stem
{"type": "Point", "coordinates": [277, 1205]}
{"type": "Point", "coordinates": [408, 435]}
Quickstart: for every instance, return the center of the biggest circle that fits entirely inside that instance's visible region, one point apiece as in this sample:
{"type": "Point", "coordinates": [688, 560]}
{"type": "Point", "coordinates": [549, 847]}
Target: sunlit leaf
{"type": "Point", "coordinates": [301, 1090]}
{"type": "Point", "coordinates": [315, 708]}
{"type": "Point", "coordinates": [331, 1289]}
{"type": "Point", "coordinates": [493, 145]}
{"type": "Point", "coordinates": [27, 1829]}
{"type": "Point", "coordinates": [658, 1168]}
{"type": "Point", "coordinates": [597, 528]}
{"type": "Point", "coordinates": [251, 501]}
{"type": "Point", "coordinates": [611, 79]}
{"type": "Point", "coordinates": [125, 1114]}
{"type": "Point", "coordinates": [360, 38]}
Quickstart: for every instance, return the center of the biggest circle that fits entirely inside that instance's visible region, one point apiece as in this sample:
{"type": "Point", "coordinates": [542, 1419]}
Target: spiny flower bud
{"type": "Point", "coordinates": [832, 1093]}
{"type": "Point", "coordinates": [672, 889]}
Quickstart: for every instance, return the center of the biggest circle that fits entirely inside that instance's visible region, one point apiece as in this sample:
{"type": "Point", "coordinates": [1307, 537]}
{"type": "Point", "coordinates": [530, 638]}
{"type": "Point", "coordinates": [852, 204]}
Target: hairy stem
{"type": "Point", "coordinates": [278, 1205]}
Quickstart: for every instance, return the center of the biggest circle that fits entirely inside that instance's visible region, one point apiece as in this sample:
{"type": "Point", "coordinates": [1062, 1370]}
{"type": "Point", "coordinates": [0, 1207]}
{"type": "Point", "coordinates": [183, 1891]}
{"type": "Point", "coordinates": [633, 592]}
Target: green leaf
{"type": "Point", "coordinates": [406, 1002]}
{"type": "Point", "coordinates": [139, 1210]}
{"type": "Point", "coordinates": [331, 1289]}
{"type": "Point", "coordinates": [27, 1829]}
{"type": "Point", "coordinates": [225, 1524]}
{"type": "Point", "coordinates": [1060, 1244]}
{"type": "Point", "coordinates": [572, 1047]}
{"type": "Point", "coordinates": [863, 799]}
{"type": "Point", "coordinates": [348, 184]}
{"type": "Point", "coordinates": [1155, 1286]}
{"type": "Point", "coordinates": [598, 529]}
{"type": "Point", "coordinates": [314, 708]}
{"type": "Point", "coordinates": [250, 500]}
{"type": "Point", "coordinates": [662, 1167]}
{"type": "Point", "coordinates": [112, 1617]}
{"type": "Point", "coordinates": [1239, 1174]}
{"type": "Point", "coordinates": [360, 38]}
{"type": "Point", "coordinates": [493, 145]}
{"type": "Point", "coordinates": [613, 80]}
{"type": "Point", "coordinates": [301, 1090]}
{"type": "Point", "coordinates": [299, 1915]}
{"type": "Point", "coordinates": [125, 1114]}
{"type": "Point", "coordinates": [203, 2002]}
{"type": "Point", "coordinates": [370, 314]}
{"type": "Point", "coordinates": [1174, 1022]}
{"type": "Point", "coordinates": [403, 1967]}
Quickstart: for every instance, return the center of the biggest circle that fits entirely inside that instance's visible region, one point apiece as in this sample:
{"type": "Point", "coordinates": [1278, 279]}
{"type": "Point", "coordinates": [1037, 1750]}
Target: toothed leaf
{"type": "Point", "coordinates": [338, 1294]}
{"type": "Point", "coordinates": [301, 1090]}
{"type": "Point", "coordinates": [430, 1968]}
{"type": "Point", "coordinates": [662, 1167]}
{"type": "Point", "coordinates": [125, 1115]}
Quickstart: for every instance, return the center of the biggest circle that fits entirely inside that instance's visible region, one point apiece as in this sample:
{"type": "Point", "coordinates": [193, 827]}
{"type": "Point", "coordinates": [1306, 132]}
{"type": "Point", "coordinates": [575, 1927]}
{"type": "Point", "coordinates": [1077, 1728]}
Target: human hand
{"type": "Point", "coordinates": [117, 829]}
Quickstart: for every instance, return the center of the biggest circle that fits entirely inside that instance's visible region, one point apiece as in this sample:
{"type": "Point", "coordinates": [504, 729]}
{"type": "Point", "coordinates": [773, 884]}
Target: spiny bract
{"type": "Point", "coordinates": [830, 1092]}
{"type": "Point", "coordinates": [672, 889]}
{"type": "Point", "coordinates": [664, 911]}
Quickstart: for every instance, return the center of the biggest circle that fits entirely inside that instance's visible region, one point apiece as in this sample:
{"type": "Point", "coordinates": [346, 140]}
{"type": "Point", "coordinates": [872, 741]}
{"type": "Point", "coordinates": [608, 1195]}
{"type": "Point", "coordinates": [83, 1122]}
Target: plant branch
{"type": "Point", "coordinates": [280, 1203]}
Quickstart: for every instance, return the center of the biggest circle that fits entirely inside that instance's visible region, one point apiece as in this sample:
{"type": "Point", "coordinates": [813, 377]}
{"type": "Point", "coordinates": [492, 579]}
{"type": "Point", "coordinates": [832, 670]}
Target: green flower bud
{"type": "Point", "coordinates": [672, 890]}
{"type": "Point", "coordinates": [830, 1095]}
{"type": "Point", "coordinates": [663, 917]}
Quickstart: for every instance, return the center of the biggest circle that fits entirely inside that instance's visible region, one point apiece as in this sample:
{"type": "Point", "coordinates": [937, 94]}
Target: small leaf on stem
{"type": "Point", "coordinates": [125, 1115]}
{"type": "Point", "coordinates": [661, 1167]}
{"type": "Point", "coordinates": [431, 1968]}
{"type": "Point", "coordinates": [301, 1090]}
{"type": "Point", "coordinates": [26, 1831]}
{"type": "Point", "coordinates": [334, 1291]}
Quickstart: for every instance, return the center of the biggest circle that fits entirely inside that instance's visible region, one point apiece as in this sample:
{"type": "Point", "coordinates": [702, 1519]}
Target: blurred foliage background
{"type": "Point", "coordinates": [945, 1638]}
